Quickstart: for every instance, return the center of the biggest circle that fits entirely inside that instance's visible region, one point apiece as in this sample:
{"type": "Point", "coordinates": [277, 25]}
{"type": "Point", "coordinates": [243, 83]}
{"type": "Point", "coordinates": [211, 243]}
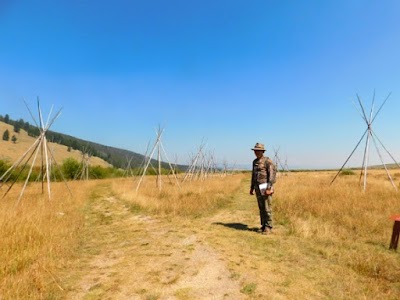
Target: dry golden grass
{"type": "Point", "coordinates": [11, 152]}
{"type": "Point", "coordinates": [330, 242]}
{"type": "Point", "coordinates": [191, 198]}
{"type": "Point", "coordinates": [38, 239]}
{"type": "Point", "coordinates": [344, 207]}
{"type": "Point", "coordinates": [347, 227]}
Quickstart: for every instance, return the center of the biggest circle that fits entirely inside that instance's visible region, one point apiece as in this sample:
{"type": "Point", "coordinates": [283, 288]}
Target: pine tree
{"type": "Point", "coordinates": [17, 127]}
{"type": "Point", "coordinates": [14, 139]}
{"type": "Point", "coordinates": [6, 135]}
{"type": "Point", "coordinates": [26, 126]}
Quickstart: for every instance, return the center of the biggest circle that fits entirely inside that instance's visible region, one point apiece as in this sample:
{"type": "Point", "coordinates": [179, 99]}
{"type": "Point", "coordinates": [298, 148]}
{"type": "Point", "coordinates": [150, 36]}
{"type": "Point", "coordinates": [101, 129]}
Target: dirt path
{"type": "Point", "coordinates": [128, 255]}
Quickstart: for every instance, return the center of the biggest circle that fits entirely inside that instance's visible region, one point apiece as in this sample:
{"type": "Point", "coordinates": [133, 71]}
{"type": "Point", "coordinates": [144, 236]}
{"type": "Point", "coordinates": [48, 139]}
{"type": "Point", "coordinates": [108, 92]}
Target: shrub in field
{"type": "Point", "coordinates": [347, 172]}
{"type": "Point", "coordinates": [70, 167]}
{"type": "Point", "coordinates": [19, 173]}
{"type": "Point", "coordinates": [3, 166]}
{"type": "Point", "coordinates": [98, 172]}
{"type": "Point", "coordinates": [115, 173]}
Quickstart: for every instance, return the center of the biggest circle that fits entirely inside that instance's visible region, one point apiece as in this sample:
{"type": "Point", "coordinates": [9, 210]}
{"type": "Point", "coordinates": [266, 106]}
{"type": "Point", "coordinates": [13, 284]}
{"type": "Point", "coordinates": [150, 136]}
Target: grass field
{"type": "Point", "coordinates": [199, 242]}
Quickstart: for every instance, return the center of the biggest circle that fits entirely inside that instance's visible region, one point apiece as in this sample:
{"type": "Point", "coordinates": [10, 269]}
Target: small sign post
{"type": "Point", "coordinates": [396, 233]}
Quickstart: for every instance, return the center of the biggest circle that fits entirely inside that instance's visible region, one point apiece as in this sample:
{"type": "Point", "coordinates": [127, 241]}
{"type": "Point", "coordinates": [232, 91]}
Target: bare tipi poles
{"type": "Point", "coordinates": [158, 146]}
{"type": "Point", "coordinates": [128, 169]}
{"type": "Point", "coordinates": [40, 146]}
{"type": "Point", "coordinates": [196, 166]}
{"type": "Point", "coordinates": [83, 170]}
{"type": "Point", "coordinates": [371, 135]}
{"type": "Point", "coordinates": [278, 162]}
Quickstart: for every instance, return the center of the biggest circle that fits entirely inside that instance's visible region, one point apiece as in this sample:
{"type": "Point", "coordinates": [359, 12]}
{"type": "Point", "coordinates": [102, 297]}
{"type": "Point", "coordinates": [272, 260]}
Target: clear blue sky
{"type": "Point", "coordinates": [233, 73]}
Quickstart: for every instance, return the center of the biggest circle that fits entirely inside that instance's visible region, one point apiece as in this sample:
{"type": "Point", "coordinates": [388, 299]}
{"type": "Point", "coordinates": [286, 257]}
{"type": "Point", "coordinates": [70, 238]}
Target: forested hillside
{"type": "Point", "coordinates": [115, 156]}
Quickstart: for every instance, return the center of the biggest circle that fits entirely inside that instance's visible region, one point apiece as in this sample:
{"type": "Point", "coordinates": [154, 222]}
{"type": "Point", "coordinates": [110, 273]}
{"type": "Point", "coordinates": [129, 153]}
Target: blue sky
{"type": "Point", "coordinates": [231, 73]}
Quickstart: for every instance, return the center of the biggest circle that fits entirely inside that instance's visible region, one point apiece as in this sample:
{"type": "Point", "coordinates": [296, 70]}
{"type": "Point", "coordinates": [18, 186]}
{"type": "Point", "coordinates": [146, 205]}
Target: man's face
{"type": "Point", "coordinates": [258, 153]}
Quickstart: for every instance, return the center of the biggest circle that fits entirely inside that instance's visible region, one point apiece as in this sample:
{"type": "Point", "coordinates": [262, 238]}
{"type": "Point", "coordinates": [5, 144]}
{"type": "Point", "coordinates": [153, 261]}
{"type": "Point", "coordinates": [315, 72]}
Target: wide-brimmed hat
{"type": "Point", "coordinates": [258, 147]}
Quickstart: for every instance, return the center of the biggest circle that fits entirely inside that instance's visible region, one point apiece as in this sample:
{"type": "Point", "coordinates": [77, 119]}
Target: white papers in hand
{"type": "Point", "coordinates": [263, 188]}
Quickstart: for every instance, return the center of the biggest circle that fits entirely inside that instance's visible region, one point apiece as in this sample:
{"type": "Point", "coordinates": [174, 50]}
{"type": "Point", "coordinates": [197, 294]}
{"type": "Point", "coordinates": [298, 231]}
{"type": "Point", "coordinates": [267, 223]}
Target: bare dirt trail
{"type": "Point", "coordinates": [129, 255]}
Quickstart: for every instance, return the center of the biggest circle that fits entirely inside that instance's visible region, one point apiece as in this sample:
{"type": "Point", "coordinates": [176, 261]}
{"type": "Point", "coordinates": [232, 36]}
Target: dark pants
{"type": "Point", "coordinates": [264, 205]}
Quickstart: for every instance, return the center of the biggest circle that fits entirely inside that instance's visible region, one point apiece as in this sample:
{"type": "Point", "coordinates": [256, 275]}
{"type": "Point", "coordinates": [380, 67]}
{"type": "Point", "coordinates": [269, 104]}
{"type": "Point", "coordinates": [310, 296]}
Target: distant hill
{"type": "Point", "coordinates": [68, 145]}
{"type": "Point", "coordinates": [10, 151]}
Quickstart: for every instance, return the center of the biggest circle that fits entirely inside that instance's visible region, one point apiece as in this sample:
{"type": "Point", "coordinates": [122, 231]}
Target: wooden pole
{"type": "Point", "coordinates": [42, 165]}
{"type": "Point", "coordinates": [159, 165]}
{"type": "Point", "coordinates": [47, 167]}
{"type": "Point", "coordinates": [366, 160]}
{"type": "Point", "coordinates": [146, 166]}
{"type": "Point", "coordinates": [396, 233]}
{"type": "Point", "coordinates": [30, 172]}
{"type": "Point", "coordinates": [172, 169]}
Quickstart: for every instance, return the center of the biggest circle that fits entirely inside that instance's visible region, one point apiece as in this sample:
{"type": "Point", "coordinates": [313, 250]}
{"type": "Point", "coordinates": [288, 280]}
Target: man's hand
{"type": "Point", "coordinates": [269, 191]}
{"type": "Point", "coordinates": [251, 191]}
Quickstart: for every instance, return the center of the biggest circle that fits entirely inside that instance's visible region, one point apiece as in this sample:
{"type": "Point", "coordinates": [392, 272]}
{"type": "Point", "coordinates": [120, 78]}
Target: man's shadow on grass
{"type": "Point", "coordinates": [237, 226]}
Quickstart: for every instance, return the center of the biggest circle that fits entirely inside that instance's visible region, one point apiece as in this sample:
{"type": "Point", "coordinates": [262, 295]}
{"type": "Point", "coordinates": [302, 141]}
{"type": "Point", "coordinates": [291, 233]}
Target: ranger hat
{"type": "Point", "coordinates": [258, 147]}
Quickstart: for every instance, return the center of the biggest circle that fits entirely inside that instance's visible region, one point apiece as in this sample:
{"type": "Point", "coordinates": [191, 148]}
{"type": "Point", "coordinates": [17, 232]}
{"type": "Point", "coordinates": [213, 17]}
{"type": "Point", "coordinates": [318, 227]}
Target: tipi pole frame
{"type": "Point", "coordinates": [40, 145]}
{"type": "Point", "coordinates": [191, 172]}
{"type": "Point", "coordinates": [157, 146]}
{"type": "Point", "coordinates": [352, 152]}
{"type": "Point", "coordinates": [143, 163]}
{"type": "Point", "coordinates": [146, 166]}
{"type": "Point", "coordinates": [169, 163]}
{"type": "Point", "coordinates": [373, 136]}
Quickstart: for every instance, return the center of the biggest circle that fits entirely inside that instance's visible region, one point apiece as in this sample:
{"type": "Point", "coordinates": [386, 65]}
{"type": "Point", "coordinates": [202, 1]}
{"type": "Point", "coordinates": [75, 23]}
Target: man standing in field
{"type": "Point", "coordinates": [262, 180]}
